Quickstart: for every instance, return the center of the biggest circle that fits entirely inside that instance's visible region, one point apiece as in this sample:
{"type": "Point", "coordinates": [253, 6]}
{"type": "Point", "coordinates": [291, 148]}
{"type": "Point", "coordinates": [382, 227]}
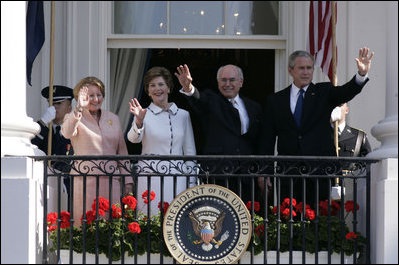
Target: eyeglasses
{"type": "Point", "coordinates": [224, 80]}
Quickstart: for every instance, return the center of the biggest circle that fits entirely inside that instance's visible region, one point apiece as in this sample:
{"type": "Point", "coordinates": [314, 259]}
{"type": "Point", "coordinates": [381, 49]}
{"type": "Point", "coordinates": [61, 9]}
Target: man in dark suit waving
{"type": "Point", "coordinates": [298, 117]}
{"type": "Point", "coordinates": [230, 123]}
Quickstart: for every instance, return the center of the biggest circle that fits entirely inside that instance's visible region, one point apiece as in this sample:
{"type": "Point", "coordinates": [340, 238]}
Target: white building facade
{"type": "Point", "coordinates": [85, 37]}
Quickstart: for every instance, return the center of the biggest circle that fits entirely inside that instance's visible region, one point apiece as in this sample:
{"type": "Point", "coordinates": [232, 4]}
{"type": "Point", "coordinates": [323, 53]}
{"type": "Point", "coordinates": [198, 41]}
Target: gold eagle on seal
{"type": "Point", "coordinates": [204, 229]}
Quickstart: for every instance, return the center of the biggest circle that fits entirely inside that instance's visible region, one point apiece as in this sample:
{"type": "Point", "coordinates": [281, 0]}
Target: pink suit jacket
{"type": "Point", "coordinates": [91, 138]}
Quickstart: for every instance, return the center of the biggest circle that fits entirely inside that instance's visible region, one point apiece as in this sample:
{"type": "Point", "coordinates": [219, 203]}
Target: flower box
{"type": "Point", "coordinates": [137, 232]}
{"type": "Point", "coordinates": [246, 258]}
{"type": "Point", "coordinates": [296, 258]}
{"type": "Point", "coordinates": [102, 259]}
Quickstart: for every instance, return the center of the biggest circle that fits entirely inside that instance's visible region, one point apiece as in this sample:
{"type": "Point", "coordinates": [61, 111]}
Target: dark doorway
{"type": "Point", "coordinates": [257, 66]}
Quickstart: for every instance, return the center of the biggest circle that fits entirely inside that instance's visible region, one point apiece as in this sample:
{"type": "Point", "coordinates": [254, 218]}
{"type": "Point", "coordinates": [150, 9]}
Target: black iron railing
{"type": "Point", "coordinates": [243, 174]}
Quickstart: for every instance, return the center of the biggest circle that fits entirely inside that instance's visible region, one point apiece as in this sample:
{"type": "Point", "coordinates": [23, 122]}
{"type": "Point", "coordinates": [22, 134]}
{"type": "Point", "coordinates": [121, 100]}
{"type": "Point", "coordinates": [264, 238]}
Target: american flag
{"type": "Point", "coordinates": [320, 35]}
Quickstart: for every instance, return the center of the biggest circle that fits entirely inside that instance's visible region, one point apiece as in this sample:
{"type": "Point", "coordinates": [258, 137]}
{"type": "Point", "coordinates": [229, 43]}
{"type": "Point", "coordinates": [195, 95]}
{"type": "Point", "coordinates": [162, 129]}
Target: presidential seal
{"type": "Point", "coordinates": [207, 224]}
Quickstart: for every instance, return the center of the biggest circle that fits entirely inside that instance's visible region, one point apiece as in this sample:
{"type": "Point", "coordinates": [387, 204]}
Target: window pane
{"type": "Point", "coordinates": [196, 17]}
{"type": "Point", "coordinates": [140, 17]}
{"type": "Point", "coordinates": [265, 17]}
{"type": "Point", "coordinates": [252, 17]}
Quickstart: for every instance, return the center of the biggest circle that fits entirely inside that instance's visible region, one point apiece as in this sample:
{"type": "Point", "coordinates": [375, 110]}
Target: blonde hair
{"type": "Point", "coordinates": [90, 80]}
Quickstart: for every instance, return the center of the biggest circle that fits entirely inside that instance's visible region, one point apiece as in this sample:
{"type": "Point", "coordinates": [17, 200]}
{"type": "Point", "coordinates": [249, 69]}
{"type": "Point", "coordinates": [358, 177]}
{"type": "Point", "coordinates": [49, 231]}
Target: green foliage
{"type": "Point", "coordinates": [113, 233]}
{"type": "Point", "coordinates": [338, 238]}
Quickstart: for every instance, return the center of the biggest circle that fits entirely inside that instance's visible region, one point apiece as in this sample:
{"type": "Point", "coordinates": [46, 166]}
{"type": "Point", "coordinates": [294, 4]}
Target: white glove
{"type": "Point", "coordinates": [336, 114]}
{"type": "Point", "coordinates": [49, 115]}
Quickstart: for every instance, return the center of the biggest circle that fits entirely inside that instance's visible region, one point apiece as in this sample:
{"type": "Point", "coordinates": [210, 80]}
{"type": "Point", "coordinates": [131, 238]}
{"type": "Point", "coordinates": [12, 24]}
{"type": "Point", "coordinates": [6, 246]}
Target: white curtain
{"type": "Point", "coordinates": [239, 17]}
{"type": "Point", "coordinates": [140, 17]}
{"type": "Point", "coordinates": [127, 67]}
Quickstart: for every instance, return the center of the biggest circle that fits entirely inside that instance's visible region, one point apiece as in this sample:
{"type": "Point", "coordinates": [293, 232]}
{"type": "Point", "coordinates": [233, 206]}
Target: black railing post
{"type": "Point", "coordinates": [72, 221]}
{"type": "Point", "coordinates": [368, 213]}
{"type": "Point", "coordinates": [316, 253]}
{"type": "Point", "coordinates": [252, 215]}
{"type": "Point", "coordinates": [45, 183]}
{"type": "Point", "coordinates": [110, 241]}
{"type": "Point", "coordinates": [303, 221]}
{"type": "Point", "coordinates": [329, 222]}
{"type": "Point", "coordinates": [278, 221]}
{"type": "Point", "coordinates": [266, 220]}
{"type": "Point", "coordinates": [290, 221]}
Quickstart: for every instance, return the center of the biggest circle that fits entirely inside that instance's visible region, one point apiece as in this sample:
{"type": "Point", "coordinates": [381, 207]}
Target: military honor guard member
{"type": "Point", "coordinates": [352, 142]}
{"type": "Point", "coordinates": [62, 100]}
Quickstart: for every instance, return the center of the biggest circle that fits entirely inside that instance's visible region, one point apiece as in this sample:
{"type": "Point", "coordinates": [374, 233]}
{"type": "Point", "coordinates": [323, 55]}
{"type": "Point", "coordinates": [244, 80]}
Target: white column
{"type": "Point", "coordinates": [386, 131]}
{"type": "Point", "coordinates": [21, 191]}
{"type": "Point", "coordinates": [384, 175]}
{"type": "Point", "coordinates": [384, 212]}
{"type": "Point", "coordinates": [16, 127]}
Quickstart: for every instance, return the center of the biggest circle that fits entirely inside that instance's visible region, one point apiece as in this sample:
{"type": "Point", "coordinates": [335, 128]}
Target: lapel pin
{"type": "Point", "coordinates": [110, 122]}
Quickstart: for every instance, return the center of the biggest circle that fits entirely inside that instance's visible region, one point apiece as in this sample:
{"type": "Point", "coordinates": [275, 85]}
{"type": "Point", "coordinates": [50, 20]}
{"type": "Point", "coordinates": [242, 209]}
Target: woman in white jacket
{"type": "Point", "coordinates": [163, 129]}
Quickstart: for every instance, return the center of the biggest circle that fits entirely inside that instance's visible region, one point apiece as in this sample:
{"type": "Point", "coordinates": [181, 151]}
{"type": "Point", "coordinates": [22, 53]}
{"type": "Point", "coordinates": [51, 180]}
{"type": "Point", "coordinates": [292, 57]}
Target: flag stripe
{"type": "Point", "coordinates": [320, 35]}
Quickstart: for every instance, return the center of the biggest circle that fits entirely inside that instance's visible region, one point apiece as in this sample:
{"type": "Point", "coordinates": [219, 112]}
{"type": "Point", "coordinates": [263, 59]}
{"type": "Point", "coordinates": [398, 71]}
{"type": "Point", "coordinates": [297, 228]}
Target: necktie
{"type": "Point", "coordinates": [235, 105]}
{"type": "Point", "coordinates": [298, 108]}
{"type": "Point", "coordinates": [57, 135]}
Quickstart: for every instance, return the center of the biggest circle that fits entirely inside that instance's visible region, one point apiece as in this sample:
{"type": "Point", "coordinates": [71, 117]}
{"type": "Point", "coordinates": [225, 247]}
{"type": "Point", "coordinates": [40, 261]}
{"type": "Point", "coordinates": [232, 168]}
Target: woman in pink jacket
{"type": "Point", "coordinates": [94, 131]}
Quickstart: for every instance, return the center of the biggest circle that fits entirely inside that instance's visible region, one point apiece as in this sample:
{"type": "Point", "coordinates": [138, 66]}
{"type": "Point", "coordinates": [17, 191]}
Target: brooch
{"type": "Point", "coordinates": [110, 122]}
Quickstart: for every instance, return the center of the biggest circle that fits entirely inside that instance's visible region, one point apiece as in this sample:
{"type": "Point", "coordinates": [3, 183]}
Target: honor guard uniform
{"type": "Point", "coordinates": [353, 143]}
{"type": "Point", "coordinates": [62, 99]}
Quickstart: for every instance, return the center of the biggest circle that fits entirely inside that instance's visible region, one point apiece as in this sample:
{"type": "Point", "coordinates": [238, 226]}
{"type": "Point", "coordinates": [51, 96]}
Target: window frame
{"type": "Point", "coordinates": [277, 42]}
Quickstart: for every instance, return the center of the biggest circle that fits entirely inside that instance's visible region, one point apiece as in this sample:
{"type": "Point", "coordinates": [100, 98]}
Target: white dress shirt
{"type": "Point", "coordinates": [163, 133]}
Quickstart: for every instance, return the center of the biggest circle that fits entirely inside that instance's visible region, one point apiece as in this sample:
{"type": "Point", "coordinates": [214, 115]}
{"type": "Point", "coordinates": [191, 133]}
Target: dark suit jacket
{"type": "Point", "coordinates": [221, 126]}
{"type": "Point", "coordinates": [314, 136]}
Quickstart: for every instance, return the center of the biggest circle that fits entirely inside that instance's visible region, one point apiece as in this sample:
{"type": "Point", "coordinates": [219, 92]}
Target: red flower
{"type": "Point", "coordinates": [351, 235]}
{"type": "Point", "coordinates": [65, 217]}
{"type": "Point", "coordinates": [134, 228]}
{"type": "Point", "coordinates": [286, 202]}
{"type": "Point", "coordinates": [310, 214]}
{"type": "Point", "coordinates": [103, 204]}
{"type": "Point", "coordinates": [130, 201]}
{"type": "Point", "coordinates": [286, 212]}
{"type": "Point", "coordinates": [299, 207]}
{"type": "Point", "coordinates": [349, 205]}
{"type": "Point", "coordinates": [275, 210]}
{"type": "Point", "coordinates": [335, 208]}
{"type": "Point", "coordinates": [90, 216]}
{"type": "Point", "coordinates": [165, 206]}
{"type": "Point", "coordinates": [144, 195]}
{"type": "Point", "coordinates": [116, 212]}
{"type": "Point", "coordinates": [52, 220]}
{"type": "Point", "coordinates": [256, 205]}
{"type": "Point", "coordinates": [260, 230]}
